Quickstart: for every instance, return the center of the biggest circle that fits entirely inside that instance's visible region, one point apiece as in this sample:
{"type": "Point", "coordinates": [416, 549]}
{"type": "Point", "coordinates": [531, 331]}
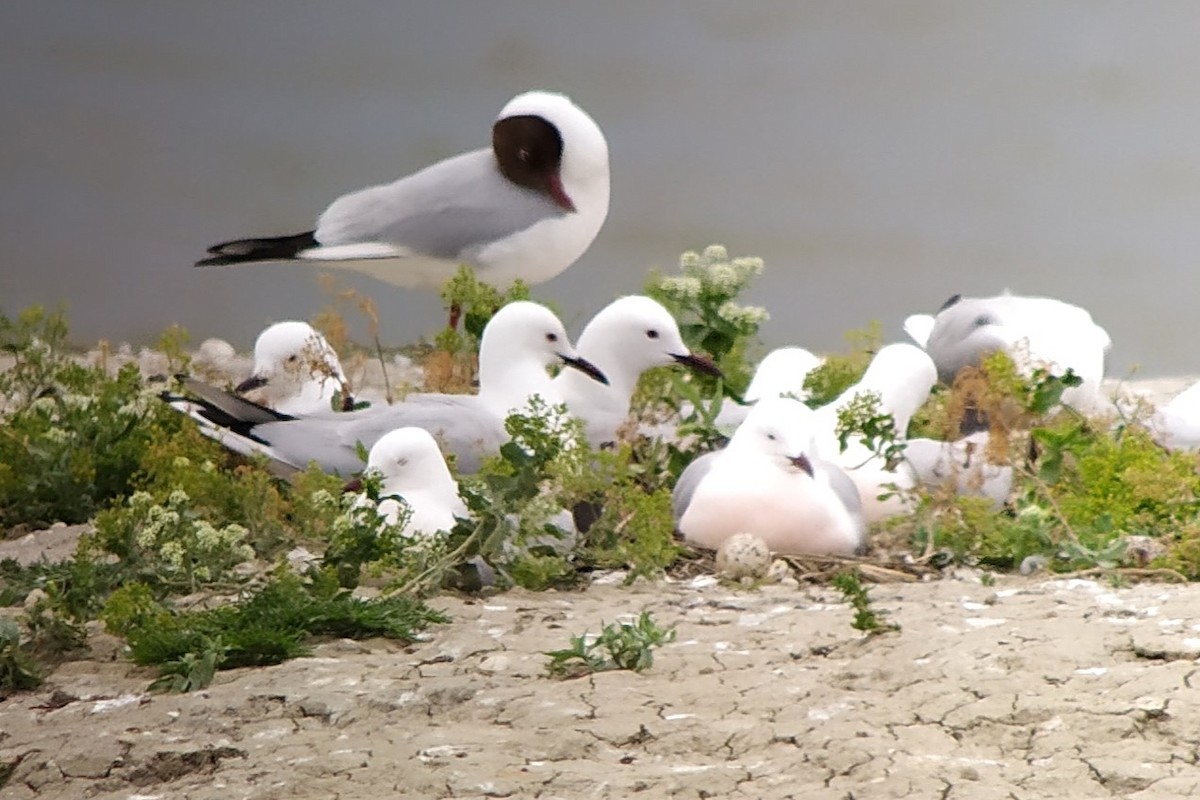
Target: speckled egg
{"type": "Point", "coordinates": [743, 555]}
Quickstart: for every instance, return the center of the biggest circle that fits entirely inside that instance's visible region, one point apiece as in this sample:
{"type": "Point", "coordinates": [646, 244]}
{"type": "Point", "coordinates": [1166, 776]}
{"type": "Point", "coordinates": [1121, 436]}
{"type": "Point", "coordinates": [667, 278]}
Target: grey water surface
{"type": "Point", "coordinates": [879, 156]}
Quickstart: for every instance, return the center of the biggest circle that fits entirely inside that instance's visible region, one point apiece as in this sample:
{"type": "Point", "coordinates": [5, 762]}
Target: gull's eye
{"type": "Point", "coordinates": [551, 337]}
{"type": "Point", "coordinates": [292, 359]}
{"type": "Point", "coordinates": [652, 334]}
{"type": "Point", "coordinates": [771, 436]}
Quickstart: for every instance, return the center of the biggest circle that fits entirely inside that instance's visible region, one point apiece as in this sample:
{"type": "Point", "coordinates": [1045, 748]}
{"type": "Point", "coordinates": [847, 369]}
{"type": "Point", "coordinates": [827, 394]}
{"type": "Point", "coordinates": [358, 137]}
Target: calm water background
{"type": "Point", "coordinates": [879, 156]}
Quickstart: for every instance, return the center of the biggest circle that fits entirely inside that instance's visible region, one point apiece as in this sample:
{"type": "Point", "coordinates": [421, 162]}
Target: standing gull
{"type": "Point", "coordinates": [518, 344]}
{"type": "Point", "coordinates": [525, 208]}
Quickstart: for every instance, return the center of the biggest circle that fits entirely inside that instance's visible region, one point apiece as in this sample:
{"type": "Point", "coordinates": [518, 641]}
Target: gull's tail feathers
{"type": "Point", "coordinates": [228, 431]}
{"type": "Point", "coordinates": [245, 251]}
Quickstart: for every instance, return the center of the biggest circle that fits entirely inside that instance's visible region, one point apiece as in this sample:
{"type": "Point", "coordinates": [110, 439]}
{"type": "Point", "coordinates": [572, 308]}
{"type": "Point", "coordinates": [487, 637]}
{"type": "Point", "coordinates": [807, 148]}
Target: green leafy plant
{"type": "Point", "coordinates": [548, 467]}
{"type": "Point", "coordinates": [837, 373]}
{"type": "Point", "coordinates": [866, 618]}
{"type": "Point", "coordinates": [476, 303]}
{"type": "Point", "coordinates": [193, 670]}
{"type": "Point", "coordinates": [704, 301]}
{"type": "Point", "coordinates": [359, 538]}
{"type": "Point", "coordinates": [621, 646]}
{"type": "Point", "coordinates": [221, 487]}
{"type": "Point", "coordinates": [71, 436]}
{"type": "Point", "coordinates": [53, 633]}
{"type": "Point", "coordinates": [173, 344]}
{"type": "Point", "coordinates": [266, 627]}
{"type": "Point", "coordinates": [18, 670]}
{"type": "Point", "coordinates": [862, 419]}
{"type": "Point", "coordinates": [517, 499]}
{"type": "Point", "coordinates": [1081, 488]}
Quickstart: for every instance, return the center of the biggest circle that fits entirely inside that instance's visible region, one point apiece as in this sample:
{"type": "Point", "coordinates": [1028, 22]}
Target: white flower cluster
{"type": "Point", "coordinates": [713, 271]}
{"type": "Point", "coordinates": [743, 316]}
{"type": "Point", "coordinates": [219, 548]}
{"type": "Point", "coordinates": [57, 435]}
{"type": "Point", "coordinates": [323, 499]}
{"type": "Point", "coordinates": [682, 287]}
{"type": "Point", "coordinates": [136, 407]}
{"type": "Point", "coordinates": [183, 543]}
{"type": "Point", "coordinates": [350, 512]}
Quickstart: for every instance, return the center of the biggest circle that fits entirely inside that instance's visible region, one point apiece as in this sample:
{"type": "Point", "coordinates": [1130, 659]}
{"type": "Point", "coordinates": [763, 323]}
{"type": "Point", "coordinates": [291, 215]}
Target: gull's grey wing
{"type": "Point", "coordinates": [465, 428]}
{"type": "Point", "coordinates": [689, 479]}
{"type": "Point", "coordinates": [443, 211]}
{"type": "Point", "coordinates": [842, 484]}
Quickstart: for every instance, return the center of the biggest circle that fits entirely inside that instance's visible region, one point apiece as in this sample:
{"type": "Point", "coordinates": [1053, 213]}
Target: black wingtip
{"type": "Point", "coordinates": [952, 301]}
{"type": "Point", "coordinates": [237, 413]}
{"type": "Point", "coordinates": [244, 251]}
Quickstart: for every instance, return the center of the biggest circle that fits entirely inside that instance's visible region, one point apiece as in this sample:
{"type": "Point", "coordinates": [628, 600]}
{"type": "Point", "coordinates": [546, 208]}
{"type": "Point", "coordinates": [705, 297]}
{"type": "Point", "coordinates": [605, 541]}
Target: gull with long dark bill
{"type": "Point", "coordinates": [625, 338]}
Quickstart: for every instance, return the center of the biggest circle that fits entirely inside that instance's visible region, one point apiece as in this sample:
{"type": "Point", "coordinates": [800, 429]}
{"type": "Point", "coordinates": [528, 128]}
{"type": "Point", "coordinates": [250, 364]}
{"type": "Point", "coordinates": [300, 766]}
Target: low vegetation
{"type": "Point", "coordinates": [177, 519]}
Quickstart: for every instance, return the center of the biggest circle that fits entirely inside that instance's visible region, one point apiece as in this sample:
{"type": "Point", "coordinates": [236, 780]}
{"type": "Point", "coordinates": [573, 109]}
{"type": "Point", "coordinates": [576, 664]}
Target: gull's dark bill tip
{"type": "Point", "coordinates": [586, 367]}
{"type": "Point", "coordinates": [803, 463]}
{"type": "Point", "coordinates": [253, 382]}
{"type": "Point", "coordinates": [699, 363]}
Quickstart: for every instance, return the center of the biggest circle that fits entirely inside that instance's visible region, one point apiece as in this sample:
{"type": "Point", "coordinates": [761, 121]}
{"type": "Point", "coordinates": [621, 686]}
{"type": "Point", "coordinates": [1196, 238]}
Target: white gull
{"type": "Point", "coordinates": [765, 483]}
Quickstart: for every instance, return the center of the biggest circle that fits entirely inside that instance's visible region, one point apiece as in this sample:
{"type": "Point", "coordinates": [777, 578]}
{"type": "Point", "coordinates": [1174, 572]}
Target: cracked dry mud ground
{"type": "Point", "coordinates": [1031, 688]}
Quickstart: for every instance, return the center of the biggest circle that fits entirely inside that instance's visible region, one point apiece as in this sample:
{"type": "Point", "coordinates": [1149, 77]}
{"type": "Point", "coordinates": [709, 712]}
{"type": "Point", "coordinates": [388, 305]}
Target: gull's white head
{"type": "Point", "coordinates": [779, 428]}
{"type": "Point", "coordinates": [632, 334]}
{"type": "Point", "coordinates": [518, 344]}
{"type": "Point", "coordinates": [295, 369]}
{"type": "Point", "coordinates": [918, 327]}
{"type": "Point", "coordinates": [413, 468]}
{"type": "Point", "coordinates": [409, 459]}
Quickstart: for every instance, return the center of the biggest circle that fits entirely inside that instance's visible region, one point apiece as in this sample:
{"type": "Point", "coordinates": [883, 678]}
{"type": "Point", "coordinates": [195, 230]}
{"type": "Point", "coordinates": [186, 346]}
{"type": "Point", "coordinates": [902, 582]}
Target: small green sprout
{"type": "Point", "coordinates": [624, 646]}
{"type": "Point", "coordinates": [866, 619]}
